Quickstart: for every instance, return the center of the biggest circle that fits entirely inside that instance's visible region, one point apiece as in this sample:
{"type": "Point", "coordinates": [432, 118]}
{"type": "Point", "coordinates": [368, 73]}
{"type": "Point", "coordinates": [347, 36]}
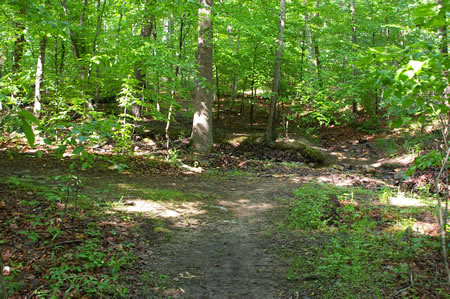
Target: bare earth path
{"type": "Point", "coordinates": [222, 251]}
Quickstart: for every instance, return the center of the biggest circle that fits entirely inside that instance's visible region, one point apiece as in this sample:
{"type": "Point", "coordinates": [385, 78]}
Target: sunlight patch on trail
{"type": "Point", "coordinates": [402, 200]}
{"type": "Point", "coordinates": [165, 210]}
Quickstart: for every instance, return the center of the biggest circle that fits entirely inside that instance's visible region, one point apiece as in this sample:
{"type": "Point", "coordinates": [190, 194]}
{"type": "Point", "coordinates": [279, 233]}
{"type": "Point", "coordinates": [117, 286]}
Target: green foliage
{"type": "Point", "coordinates": [315, 205]}
{"type": "Point", "coordinates": [87, 269]}
{"type": "Point", "coordinates": [350, 259]}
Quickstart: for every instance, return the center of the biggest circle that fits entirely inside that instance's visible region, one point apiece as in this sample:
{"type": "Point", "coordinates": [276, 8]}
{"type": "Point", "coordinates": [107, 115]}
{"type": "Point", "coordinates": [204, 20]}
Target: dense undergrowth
{"type": "Point", "coordinates": [360, 243]}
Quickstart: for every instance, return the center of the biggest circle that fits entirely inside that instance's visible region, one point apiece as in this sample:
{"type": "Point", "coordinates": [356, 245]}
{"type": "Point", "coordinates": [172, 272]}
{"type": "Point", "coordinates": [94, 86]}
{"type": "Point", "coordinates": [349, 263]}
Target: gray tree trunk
{"type": "Point", "coordinates": [39, 76]}
{"type": "Point", "coordinates": [271, 126]}
{"type": "Point", "coordinates": [202, 136]}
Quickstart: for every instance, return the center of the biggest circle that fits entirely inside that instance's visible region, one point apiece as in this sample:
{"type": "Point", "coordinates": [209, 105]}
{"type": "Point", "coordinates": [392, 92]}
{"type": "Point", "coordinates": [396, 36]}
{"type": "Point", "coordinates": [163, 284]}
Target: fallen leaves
{"type": "Point", "coordinates": [39, 239]}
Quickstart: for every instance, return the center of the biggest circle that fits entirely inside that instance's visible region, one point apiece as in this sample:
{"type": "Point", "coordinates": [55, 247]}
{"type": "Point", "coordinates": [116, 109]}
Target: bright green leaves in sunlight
{"type": "Point", "coordinates": [28, 119]}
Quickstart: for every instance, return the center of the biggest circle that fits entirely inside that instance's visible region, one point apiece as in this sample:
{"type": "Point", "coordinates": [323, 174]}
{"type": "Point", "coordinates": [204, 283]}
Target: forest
{"type": "Point", "coordinates": [224, 149]}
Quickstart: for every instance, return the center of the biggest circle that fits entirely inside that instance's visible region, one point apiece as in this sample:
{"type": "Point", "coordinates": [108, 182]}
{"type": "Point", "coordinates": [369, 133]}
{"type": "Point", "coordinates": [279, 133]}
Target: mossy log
{"type": "Point", "coordinates": [312, 155]}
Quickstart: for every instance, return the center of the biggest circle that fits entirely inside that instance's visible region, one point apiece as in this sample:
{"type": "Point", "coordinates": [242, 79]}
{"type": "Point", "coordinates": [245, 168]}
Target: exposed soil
{"type": "Point", "coordinates": [221, 252]}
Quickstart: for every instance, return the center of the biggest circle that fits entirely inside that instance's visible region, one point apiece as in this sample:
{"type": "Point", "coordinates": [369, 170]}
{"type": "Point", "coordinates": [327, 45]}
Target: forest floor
{"type": "Point", "coordinates": [219, 234]}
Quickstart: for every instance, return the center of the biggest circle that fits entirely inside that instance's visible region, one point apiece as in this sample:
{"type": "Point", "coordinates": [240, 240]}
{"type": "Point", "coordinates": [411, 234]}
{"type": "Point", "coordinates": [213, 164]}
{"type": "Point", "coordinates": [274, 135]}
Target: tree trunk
{"type": "Point", "coordinates": [63, 55]}
{"type": "Point", "coordinates": [241, 110]}
{"type": "Point", "coordinates": [99, 25]}
{"type": "Point", "coordinates": [317, 50]}
{"type": "Point", "coordinates": [202, 137]}
{"type": "Point", "coordinates": [354, 40]}
{"type": "Point", "coordinates": [443, 30]}
{"type": "Point", "coordinates": [217, 92]}
{"type": "Point", "coordinates": [148, 30]}
{"type": "Point", "coordinates": [235, 80]}
{"type": "Point", "coordinates": [19, 44]}
{"type": "Point", "coordinates": [443, 211]}
{"type": "Point", "coordinates": [39, 76]}
{"type": "Point", "coordinates": [270, 134]}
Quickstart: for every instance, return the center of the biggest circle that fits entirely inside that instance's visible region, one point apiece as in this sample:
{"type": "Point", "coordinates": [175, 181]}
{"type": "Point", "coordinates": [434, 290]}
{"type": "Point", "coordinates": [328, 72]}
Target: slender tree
{"type": "Point", "coordinates": [354, 40]}
{"type": "Point", "coordinates": [202, 136]}
{"type": "Point", "coordinates": [270, 134]}
{"type": "Point", "coordinates": [147, 31]}
{"type": "Point", "coordinates": [39, 76]}
{"type": "Point", "coordinates": [19, 44]}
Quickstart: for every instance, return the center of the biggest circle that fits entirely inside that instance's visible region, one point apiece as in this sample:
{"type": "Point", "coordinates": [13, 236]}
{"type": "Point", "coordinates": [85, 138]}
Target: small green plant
{"type": "Point", "coordinates": [388, 145]}
{"type": "Point", "coordinates": [308, 210]}
{"type": "Point", "coordinates": [172, 156]}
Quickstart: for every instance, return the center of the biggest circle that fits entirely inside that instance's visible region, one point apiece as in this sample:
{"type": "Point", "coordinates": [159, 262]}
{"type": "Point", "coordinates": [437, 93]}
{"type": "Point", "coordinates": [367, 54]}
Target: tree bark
{"type": "Point", "coordinates": [39, 76]}
{"type": "Point", "coordinates": [99, 25]}
{"type": "Point", "coordinates": [443, 30]}
{"type": "Point", "coordinates": [19, 44]}
{"type": "Point", "coordinates": [148, 30]}
{"type": "Point", "coordinates": [445, 123]}
{"type": "Point", "coordinates": [202, 136]}
{"type": "Point", "coordinates": [354, 40]}
{"type": "Point", "coordinates": [270, 134]}
{"type": "Point", "coordinates": [235, 80]}
{"type": "Point", "coordinates": [317, 50]}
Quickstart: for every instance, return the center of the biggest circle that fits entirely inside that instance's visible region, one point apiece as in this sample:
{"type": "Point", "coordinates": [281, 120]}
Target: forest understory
{"type": "Point", "coordinates": [245, 221]}
{"type": "Point", "coordinates": [224, 149]}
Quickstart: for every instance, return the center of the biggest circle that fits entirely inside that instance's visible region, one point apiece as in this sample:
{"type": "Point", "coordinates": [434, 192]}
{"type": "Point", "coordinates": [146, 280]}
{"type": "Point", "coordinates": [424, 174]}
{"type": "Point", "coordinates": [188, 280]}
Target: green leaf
{"type": "Point", "coordinates": [39, 154]}
{"type": "Point", "coordinates": [78, 149]}
{"type": "Point", "coordinates": [81, 138]}
{"type": "Point", "coordinates": [47, 141]}
{"type": "Point", "coordinates": [84, 165]}
{"type": "Point", "coordinates": [60, 150]}
{"type": "Point", "coordinates": [425, 10]}
{"type": "Point", "coordinates": [29, 134]}
{"type": "Point", "coordinates": [397, 123]}
{"type": "Point", "coordinates": [29, 116]}
{"type": "Point", "coordinates": [407, 102]}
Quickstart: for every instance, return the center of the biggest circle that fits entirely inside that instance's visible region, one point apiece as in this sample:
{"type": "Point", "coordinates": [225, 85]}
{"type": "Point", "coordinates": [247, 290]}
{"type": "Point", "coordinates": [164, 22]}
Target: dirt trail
{"type": "Point", "coordinates": [226, 253]}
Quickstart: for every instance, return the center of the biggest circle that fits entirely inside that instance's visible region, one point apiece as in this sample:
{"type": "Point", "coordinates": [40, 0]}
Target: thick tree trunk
{"type": "Point", "coordinates": [202, 137]}
{"type": "Point", "coordinates": [39, 76]}
{"type": "Point", "coordinates": [270, 134]}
